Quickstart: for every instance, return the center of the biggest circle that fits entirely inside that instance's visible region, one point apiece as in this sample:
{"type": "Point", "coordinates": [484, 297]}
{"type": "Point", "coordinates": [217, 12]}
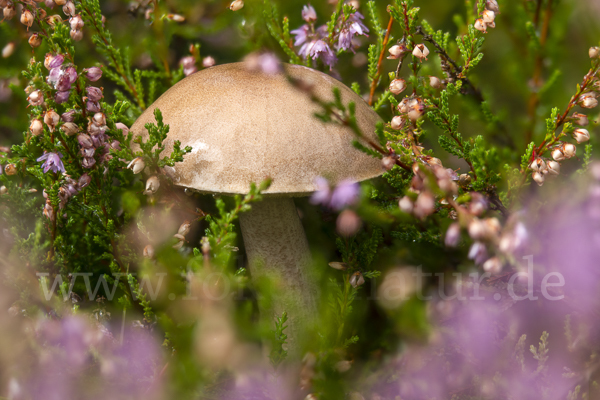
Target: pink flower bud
{"type": "Point", "coordinates": [397, 122]}
{"type": "Point", "coordinates": [9, 11]}
{"type": "Point", "coordinates": [69, 8]}
{"type": "Point", "coordinates": [236, 5]}
{"type": "Point", "coordinates": [580, 119]}
{"type": "Point", "coordinates": [8, 50]}
{"type": "Point", "coordinates": [35, 40]}
{"type": "Point", "coordinates": [406, 205]}
{"type": "Point", "coordinates": [348, 223]}
{"type": "Point", "coordinates": [149, 251]}
{"type": "Point", "coordinates": [480, 25]}
{"type": "Point", "coordinates": [68, 116]}
{"type": "Point", "coordinates": [492, 5]}
{"type": "Point", "coordinates": [588, 101]}
{"type": "Point", "coordinates": [452, 235]}
{"type": "Point", "coordinates": [36, 127]}
{"type": "Point", "coordinates": [93, 74]}
{"type": "Point", "coordinates": [594, 52]}
{"type": "Point", "coordinates": [208, 62]}
{"type": "Point", "coordinates": [435, 82]}
{"type": "Point", "coordinates": [36, 98]}
{"type": "Point", "coordinates": [51, 118]}
{"type": "Point", "coordinates": [99, 119]}
{"type": "Point", "coordinates": [581, 135]}
{"type": "Point", "coordinates": [85, 141]}
{"type": "Point", "coordinates": [94, 93]}
{"type": "Point", "coordinates": [420, 51]}
{"type": "Point", "coordinates": [569, 150]}
{"type": "Point", "coordinates": [76, 22]}
{"type": "Point", "coordinates": [557, 154]}
{"type": "Point", "coordinates": [397, 86]}
{"type": "Point", "coordinates": [69, 128]}
{"type": "Point", "coordinates": [84, 181]}
{"type": "Point", "coordinates": [538, 177]}
{"type": "Point", "coordinates": [62, 96]}
{"type": "Point", "coordinates": [76, 34]}
{"type": "Point", "coordinates": [122, 127]}
{"type": "Point", "coordinates": [396, 51]}
{"type": "Point", "coordinates": [27, 18]}
{"type": "Point", "coordinates": [538, 164]}
{"type": "Point", "coordinates": [387, 163]}
{"type": "Point", "coordinates": [425, 205]}
{"type": "Point", "coordinates": [309, 14]}
{"type": "Point", "coordinates": [357, 279]}
{"type": "Point", "coordinates": [493, 265]}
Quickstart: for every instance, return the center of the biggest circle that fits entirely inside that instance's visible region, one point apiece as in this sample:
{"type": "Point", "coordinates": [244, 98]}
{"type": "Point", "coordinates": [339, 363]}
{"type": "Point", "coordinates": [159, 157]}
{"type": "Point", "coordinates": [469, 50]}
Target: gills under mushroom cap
{"type": "Point", "coordinates": [244, 126]}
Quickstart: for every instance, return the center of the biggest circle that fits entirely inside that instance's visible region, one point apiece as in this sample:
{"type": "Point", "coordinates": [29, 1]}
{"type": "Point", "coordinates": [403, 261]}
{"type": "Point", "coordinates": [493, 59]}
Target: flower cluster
{"type": "Point", "coordinates": [487, 17]}
{"type": "Point", "coordinates": [322, 44]}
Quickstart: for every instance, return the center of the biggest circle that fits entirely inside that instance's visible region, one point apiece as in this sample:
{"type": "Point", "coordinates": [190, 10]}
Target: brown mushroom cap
{"type": "Point", "coordinates": [244, 126]}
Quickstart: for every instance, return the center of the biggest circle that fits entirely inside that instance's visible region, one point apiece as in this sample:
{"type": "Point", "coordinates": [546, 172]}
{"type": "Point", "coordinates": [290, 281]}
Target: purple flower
{"type": "Point", "coordinates": [357, 27]}
{"type": "Point", "coordinates": [68, 116]}
{"type": "Point", "coordinates": [352, 26]}
{"type": "Point", "coordinates": [62, 97]}
{"type": "Point", "coordinates": [83, 181]}
{"type": "Point", "coordinates": [301, 35]}
{"type": "Point", "coordinates": [93, 106]}
{"type": "Point", "coordinates": [478, 253]}
{"type": "Point", "coordinates": [346, 193]}
{"type": "Point", "coordinates": [345, 40]}
{"type": "Point", "coordinates": [52, 162]}
{"type": "Point", "coordinates": [88, 162]}
{"type": "Point", "coordinates": [309, 14]}
{"type": "Point", "coordinates": [320, 49]}
{"type": "Point", "coordinates": [56, 61]}
{"type": "Point", "coordinates": [93, 74]}
{"type": "Point", "coordinates": [93, 93]}
{"type": "Point", "coordinates": [323, 193]}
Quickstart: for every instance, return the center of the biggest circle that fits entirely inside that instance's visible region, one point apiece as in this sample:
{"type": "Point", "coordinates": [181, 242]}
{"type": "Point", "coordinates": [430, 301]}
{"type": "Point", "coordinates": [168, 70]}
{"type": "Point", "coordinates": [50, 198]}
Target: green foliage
{"type": "Point", "coordinates": [278, 353]}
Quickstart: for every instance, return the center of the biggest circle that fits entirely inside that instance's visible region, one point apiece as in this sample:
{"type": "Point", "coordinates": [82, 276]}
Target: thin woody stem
{"type": "Point", "coordinates": [380, 61]}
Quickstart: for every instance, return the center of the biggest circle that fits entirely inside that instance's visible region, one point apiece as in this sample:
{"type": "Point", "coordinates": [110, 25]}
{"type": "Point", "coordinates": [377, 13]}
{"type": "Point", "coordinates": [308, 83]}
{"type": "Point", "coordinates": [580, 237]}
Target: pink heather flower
{"type": "Point", "coordinates": [323, 193]}
{"type": "Point", "coordinates": [301, 36]}
{"type": "Point", "coordinates": [62, 97]}
{"type": "Point", "coordinates": [52, 162]}
{"type": "Point", "coordinates": [309, 14]}
{"type": "Point", "coordinates": [93, 74]}
{"type": "Point", "coordinates": [346, 193]}
{"type": "Point", "coordinates": [93, 106]}
{"type": "Point", "coordinates": [93, 93]}
{"type": "Point", "coordinates": [68, 116]}
{"type": "Point", "coordinates": [320, 49]}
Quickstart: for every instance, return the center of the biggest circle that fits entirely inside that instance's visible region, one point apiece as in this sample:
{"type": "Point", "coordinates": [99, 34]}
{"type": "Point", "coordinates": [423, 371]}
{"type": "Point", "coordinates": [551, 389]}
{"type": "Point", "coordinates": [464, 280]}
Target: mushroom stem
{"type": "Point", "coordinates": [276, 247]}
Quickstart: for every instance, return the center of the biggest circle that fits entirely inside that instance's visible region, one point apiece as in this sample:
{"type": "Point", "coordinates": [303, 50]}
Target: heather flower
{"type": "Point", "coordinates": [93, 106]}
{"type": "Point", "coordinates": [348, 223]}
{"type": "Point", "coordinates": [93, 93]}
{"type": "Point", "coordinates": [93, 74]}
{"type": "Point", "coordinates": [62, 97]}
{"type": "Point", "coordinates": [452, 235]}
{"type": "Point", "coordinates": [208, 62]}
{"type": "Point", "coordinates": [346, 193]}
{"type": "Point", "coordinates": [352, 26]}
{"type": "Point", "coordinates": [478, 252]}
{"type": "Point", "coordinates": [266, 63]}
{"type": "Point", "coordinates": [68, 116]}
{"type": "Point", "coordinates": [323, 192]}
{"type": "Point", "coordinates": [309, 14]}
{"type": "Point", "coordinates": [52, 161]}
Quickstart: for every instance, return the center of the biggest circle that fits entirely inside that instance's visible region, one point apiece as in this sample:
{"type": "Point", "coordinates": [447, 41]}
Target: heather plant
{"type": "Point", "coordinates": [466, 271]}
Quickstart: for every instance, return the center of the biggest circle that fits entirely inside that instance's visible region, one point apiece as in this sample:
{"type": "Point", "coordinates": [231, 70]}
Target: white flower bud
{"type": "Point", "coordinates": [397, 122]}
{"type": "Point", "coordinates": [184, 228]}
{"type": "Point", "coordinates": [420, 51]}
{"type": "Point", "coordinates": [152, 185]}
{"type": "Point", "coordinates": [36, 127]}
{"type": "Point", "coordinates": [569, 150]}
{"type": "Point", "coordinates": [27, 18]}
{"type": "Point", "coordinates": [557, 154]}
{"type": "Point", "coordinates": [3, 190]}
{"type": "Point", "coordinates": [477, 229]}
{"type": "Point", "coordinates": [76, 34]}
{"type": "Point", "coordinates": [36, 98]}
{"type": "Point", "coordinates": [8, 50]}
{"type": "Point", "coordinates": [588, 101]}
{"type": "Point", "coordinates": [76, 22]}
{"type": "Point", "coordinates": [480, 25]}
{"type": "Point", "coordinates": [581, 135]}
{"type": "Point", "coordinates": [425, 205]}
{"type": "Point", "coordinates": [538, 177]}
{"type": "Point", "coordinates": [69, 128]}
{"type": "Point", "coordinates": [538, 164]}
{"type": "Point", "coordinates": [491, 25]}
{"type": "Point", "coordinates": [338, 265]}
{"type": "Point", "coordinates": [493, 265]}
{"type": "Point", "coordinates": [594, 52]}
{"type": "Point", "coordinates": [406, 205]}
{"type": "Point", "coordinates": [387, 163]}
{"type": "Point", "coordinates": [137, 165]}
{"type": "Point", "coordinates": [51, 118]}
{"type": "Point", "coordinates": [553, 168]}
{"type": "Point", "coordinates": [149, 251]}
{"type": "Point", "coordinates": [176, 17]}
{"type": "Point", "coordinates": [69, 8]}
{"type": "Point", "coordinates": [435, 82]}
{"type": "Point", "coordinates": [236, 5]}
{"type": "Point", "coordinates": [580, 119]}
{"type": "Point", "coordinates": [397, 86]}
{"type": "Point", "coordinates": [99, 119]}
{"type": "Point", "coordinates": [488, 16]}
{"type": "Point", "coordinates": [395, 52]}
{"type": "Point", "coordinates": [357, 279]}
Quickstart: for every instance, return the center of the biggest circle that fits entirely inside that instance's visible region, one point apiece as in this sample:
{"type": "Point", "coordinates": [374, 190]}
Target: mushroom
{"type": "Point", "coordinates": [244, 126]}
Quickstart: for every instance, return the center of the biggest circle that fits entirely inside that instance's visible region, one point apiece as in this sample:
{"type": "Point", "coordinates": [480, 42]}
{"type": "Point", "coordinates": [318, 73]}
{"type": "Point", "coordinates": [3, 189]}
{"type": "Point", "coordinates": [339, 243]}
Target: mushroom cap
{"type": "Point", "coordinates": [244, 126]}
